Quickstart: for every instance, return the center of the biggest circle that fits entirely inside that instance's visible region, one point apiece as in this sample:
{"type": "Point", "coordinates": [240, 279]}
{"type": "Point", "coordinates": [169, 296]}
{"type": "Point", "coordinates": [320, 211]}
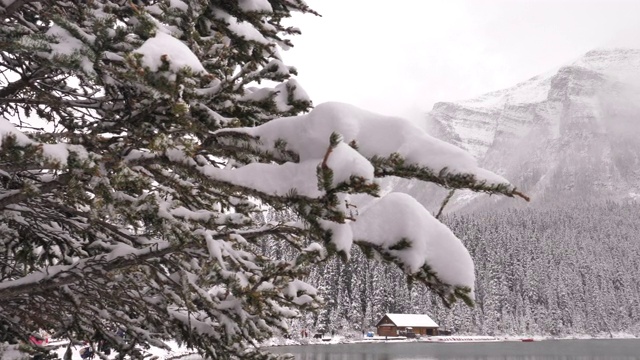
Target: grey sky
{"type": "Point", "coordinates": [400, 57]}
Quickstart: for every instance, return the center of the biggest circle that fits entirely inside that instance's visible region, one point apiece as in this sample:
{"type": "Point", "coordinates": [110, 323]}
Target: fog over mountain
{"type": "Point", "coordinates": [571, 133]}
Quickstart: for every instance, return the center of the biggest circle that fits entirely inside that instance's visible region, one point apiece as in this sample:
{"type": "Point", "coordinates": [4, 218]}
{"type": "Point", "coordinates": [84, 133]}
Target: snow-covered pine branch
{"type": "Point", "coordinates": [138, 149]}
{"type": "Point", "coordinates": [368, 146]}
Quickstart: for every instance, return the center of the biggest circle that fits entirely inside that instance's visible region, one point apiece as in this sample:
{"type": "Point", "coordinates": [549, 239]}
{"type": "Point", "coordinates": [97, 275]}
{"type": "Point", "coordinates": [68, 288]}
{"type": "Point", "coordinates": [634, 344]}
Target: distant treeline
{"type": "Point", "coordinates": [567, 270]}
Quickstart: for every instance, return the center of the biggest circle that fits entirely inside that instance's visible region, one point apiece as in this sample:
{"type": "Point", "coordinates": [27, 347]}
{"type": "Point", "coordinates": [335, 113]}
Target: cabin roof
{"type": "Point", "coordinates": [413, 320]}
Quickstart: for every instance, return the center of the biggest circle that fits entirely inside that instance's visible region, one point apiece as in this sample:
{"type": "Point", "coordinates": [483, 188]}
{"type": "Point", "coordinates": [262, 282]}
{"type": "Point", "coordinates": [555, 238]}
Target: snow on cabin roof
{"type": "Point", "coordinates": [413, 320]}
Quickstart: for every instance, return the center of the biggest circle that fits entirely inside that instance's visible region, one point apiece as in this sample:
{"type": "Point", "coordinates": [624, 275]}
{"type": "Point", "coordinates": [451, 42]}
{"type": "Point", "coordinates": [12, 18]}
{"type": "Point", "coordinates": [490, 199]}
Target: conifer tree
{"type": "Point", "coordinates": [138, 146]}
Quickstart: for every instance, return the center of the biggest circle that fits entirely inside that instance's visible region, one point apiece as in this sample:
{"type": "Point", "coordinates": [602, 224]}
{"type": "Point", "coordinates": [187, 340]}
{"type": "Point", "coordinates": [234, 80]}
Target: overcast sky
{"type": "Point", "coordinates": [399, 57]}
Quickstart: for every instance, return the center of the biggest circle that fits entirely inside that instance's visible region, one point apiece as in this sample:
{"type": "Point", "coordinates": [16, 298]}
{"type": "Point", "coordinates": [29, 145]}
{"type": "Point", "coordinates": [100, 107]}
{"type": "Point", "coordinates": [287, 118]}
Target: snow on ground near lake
{"type": "Point", "coordinates": [152, 351]}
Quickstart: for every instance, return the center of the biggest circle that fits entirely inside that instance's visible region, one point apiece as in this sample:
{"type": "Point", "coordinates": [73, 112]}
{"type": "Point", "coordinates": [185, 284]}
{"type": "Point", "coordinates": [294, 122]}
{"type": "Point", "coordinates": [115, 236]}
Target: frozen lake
{"type": "Point", "coordinates": [624, 349]}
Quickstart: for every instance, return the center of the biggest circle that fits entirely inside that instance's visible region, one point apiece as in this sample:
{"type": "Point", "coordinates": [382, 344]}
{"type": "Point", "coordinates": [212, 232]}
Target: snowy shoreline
{"type": "Point", "coordinates": [338, 339]}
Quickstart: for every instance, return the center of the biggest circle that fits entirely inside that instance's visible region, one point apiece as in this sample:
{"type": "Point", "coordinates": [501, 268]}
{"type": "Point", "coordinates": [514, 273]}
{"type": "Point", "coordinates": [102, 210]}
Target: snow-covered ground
{"type": "Point", "coordinates": [175, 352]}
{"type": "Point", "coordinates": [454, 338]}
{"type": "Point", "coordinates": [11, 352]}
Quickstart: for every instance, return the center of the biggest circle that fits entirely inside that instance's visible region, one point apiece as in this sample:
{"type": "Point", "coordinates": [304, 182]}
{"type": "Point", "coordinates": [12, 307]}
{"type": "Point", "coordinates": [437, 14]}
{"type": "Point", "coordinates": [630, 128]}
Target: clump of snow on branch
{"type": "Point", "coordinates": [241, 28]}
{"type": "Point", "coordinates": [386, 223]}
{"type": "Point", "coordinates": [178, 4]}
{"type": "Point", "coordinates": [66, 44]}
{"type": "Point", "coordinates": [8, 129]}
{"type": "Point", "coordinates": [374, 135]}
{"type": "Point", "coordinates": [282, 91]}
{"type": "Point", "coordinates": [399, 216]}
{"type": "Point", "coordinates": [58, 153]}
{"type": "Point", "coordinates": [342, 235]}
{"type": "Point", "coordinates": [255, 5]}
{"type": "Point", "coordinates": [166, 48]}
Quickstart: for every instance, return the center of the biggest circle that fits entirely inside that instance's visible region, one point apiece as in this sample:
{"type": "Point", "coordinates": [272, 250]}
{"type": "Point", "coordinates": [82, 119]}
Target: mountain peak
{"type": "Point", "coordinates": [612, 61]}
{"type": "Point", "coordinates": [573, 129]}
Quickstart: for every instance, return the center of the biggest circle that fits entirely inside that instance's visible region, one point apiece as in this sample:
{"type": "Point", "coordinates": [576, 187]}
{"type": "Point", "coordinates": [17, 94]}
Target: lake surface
{"type": "Point", "coordinates": [624, 349]}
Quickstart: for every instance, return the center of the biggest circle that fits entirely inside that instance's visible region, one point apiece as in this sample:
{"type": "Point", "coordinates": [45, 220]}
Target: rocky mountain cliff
{"type": "Point", "coordinates": [572, 133]}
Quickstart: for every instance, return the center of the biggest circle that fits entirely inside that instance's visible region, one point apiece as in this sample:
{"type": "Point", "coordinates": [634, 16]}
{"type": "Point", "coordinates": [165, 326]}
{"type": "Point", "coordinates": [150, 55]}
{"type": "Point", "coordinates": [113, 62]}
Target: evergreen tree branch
{"type": "Point", "coordinates": [60, 275]}
{"type": "Point", "coordinates": [19, 196]}
{"type": "Point", "coordinates": [16, 86]}
{"type": "Point", "coordinates": [8, 11]}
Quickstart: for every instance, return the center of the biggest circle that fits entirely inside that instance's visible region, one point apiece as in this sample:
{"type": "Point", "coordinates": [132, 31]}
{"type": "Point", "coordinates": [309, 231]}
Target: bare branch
{"type": "Point", "coordinates": [20, 196]}
{"type": "Point", "coordinates": [445, 202]}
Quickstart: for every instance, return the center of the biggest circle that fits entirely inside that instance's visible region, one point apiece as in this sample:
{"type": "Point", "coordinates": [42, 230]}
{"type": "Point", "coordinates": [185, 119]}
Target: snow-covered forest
{"type": "Point", "coordinates": [565, 270]}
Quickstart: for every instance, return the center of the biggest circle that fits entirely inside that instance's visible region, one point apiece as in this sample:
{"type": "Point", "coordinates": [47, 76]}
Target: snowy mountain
{"type": "Point", "coordinates": [570, 133]}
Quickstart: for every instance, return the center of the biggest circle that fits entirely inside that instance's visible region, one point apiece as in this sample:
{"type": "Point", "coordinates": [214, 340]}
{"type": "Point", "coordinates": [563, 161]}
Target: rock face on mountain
{"type": "Point", "coordinates": [573, 133]}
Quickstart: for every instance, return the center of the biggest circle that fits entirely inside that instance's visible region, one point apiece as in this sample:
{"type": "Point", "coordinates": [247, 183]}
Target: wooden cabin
{"type": "Point", "coordinates": [398, 324]}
